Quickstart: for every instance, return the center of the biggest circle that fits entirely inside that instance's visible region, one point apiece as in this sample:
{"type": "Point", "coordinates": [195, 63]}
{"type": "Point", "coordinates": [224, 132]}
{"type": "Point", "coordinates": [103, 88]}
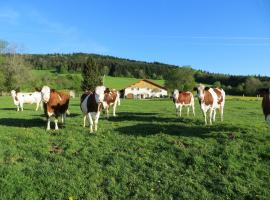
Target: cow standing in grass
{"type": "Point", "coordinates": [55, 104]}
{"type": "Point", "coordinates": [183, 99]}
{"type": "Point", "coordinates": [265, 94]}
{"type": "Point", "coordinates": [20, 98]}
{"type": "Point", "coordinates": [211, 99]}
{"type": "Point", "coordinates": [91, 106]}
{"type": "Point", "coordinates": [111, 98]}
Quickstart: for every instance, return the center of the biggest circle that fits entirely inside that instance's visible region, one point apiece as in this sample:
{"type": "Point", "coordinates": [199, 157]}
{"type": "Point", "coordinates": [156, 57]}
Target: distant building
{"type": "Point", "coordinates": [144, 89]}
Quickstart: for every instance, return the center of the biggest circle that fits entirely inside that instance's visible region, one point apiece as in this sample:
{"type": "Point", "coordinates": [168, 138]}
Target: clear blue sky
{"type": "Point", "coordinates": [227, 36]}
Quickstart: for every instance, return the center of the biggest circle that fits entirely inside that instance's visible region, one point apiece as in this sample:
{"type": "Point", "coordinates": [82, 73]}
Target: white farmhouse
{"type": "Point", "coordinates": [144, 89]}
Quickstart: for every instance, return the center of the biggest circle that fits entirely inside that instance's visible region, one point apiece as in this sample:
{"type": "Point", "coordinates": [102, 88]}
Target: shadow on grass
{"type": "Point", "coordinates": [15, 122]}
{"type": "Point", "coordinates": [180, 129]}
{"type": "Point", "coordinates": [151, 117]}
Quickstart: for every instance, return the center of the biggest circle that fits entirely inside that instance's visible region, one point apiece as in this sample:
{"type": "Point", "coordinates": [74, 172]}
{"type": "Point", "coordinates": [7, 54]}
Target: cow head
{"type": "Point", "coordinates": [200, 91]}
{"type": "Point", "coordinates": [175, 95]}
{"type": "Point", "coordinates": [99, 94]}
{"type": "Point", "coordinates": [13, 93]}
{"type": "Point", "coordinates": [45, 94]}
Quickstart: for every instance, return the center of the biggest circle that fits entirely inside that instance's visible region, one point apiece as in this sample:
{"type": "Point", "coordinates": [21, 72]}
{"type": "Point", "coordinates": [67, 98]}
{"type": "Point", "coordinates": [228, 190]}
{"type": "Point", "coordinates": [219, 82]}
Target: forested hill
{"type": "Point", "coordinates": [119, 67]}
{"type": "Point", "coordinates": [109, 65]}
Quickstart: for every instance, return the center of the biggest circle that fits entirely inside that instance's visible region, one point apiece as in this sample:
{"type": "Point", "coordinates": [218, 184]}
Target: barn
{"type": "Point", "coordinates": [144, 89]}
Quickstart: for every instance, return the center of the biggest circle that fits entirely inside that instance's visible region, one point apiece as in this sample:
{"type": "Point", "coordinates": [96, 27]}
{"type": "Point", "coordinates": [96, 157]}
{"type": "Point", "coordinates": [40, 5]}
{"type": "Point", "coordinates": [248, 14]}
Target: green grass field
{"type": "Point", "coordinates": [146, 152]}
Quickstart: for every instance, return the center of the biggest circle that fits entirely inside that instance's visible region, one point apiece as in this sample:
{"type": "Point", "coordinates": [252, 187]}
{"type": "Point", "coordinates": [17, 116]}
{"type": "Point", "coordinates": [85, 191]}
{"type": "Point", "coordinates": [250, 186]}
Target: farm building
{"type": "Point", "coordinates": [144, 89]}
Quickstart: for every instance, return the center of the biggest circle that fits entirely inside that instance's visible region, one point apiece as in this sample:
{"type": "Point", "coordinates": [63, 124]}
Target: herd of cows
{"type": "Point", "coordinates": [55, 103]}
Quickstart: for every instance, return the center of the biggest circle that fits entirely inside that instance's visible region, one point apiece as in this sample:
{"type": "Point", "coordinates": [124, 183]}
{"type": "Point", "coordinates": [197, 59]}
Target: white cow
{"type": "Point", "coordinates": [19, 98]}
{"type": "Point", "coordinates": [211, 99]}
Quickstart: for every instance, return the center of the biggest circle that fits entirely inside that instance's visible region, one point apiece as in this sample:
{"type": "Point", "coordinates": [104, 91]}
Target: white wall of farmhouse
{"type": "Point", "coordinates": [142, 93]}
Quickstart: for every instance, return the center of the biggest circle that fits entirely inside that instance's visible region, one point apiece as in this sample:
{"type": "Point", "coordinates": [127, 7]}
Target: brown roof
{"type": "Point", "coordinates": [148, 81]}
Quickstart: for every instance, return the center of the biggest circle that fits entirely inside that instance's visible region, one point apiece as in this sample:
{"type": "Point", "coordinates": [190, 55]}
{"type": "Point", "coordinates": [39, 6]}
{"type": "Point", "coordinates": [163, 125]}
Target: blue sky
{"type": "Point", "coordinates": [226, 36]}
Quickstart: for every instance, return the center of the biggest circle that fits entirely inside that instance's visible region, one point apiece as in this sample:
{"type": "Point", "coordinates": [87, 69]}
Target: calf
{"type": "Point", "coordinates": [55, 104]}
{"type": "Point", "coordinates": [19, 98]}
{"type": "Point", "coordinates": [265, 94]}
{"type": "Point", "coordinates": [91, 106]}
{"type": "Point", "coordinates": [211, 99]}
{"type": "Point", "coordinates": [181, 99]}
{"type": "Point", "coordinates": [111, 98]}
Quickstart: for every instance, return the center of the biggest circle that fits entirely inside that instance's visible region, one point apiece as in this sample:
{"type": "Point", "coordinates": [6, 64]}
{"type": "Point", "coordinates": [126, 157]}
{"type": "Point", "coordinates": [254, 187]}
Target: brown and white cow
{"type": "Point", "coordinates": [111, 98]}
{"type": "Point", "coordinates": [265, 93]}
{"type": "Point", "coordinates": [20, 98]}
{"type": "Point", "coordinates": [55, 104]}
{"type": "Point", "coordinates": [211, 99]}
{"type": "Point", "coordinates": [91, 106]}
{"type": "Point", "coordinates": [183, 99]}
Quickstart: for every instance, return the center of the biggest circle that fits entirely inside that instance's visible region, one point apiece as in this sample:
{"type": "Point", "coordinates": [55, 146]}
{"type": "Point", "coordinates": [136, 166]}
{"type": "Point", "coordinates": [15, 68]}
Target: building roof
{"type": "Point", "coordinates": [148, 81]}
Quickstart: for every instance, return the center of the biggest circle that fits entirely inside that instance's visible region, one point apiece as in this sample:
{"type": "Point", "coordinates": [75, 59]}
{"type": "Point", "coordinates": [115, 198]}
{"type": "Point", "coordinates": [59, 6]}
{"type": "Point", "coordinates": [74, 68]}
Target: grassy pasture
{"type": "Point", "coordinates": [146, 152]}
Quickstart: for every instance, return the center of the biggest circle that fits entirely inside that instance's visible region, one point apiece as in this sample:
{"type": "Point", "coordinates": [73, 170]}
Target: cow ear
{"type": "Point", "coordinates": [206, 88]}
{"type": "Point", "coordinates": [195, 89]}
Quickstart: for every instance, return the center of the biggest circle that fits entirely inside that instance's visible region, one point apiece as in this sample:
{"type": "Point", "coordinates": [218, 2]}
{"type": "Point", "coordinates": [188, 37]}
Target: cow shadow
{"type": "Point", "coordinates": [27, 123]}
{"type": "Point", "coordinates": [189, 130]}
{"type": "Point", "coordinates": [15, 109]}
{"type": "Point", "coordinates": [151, 117]}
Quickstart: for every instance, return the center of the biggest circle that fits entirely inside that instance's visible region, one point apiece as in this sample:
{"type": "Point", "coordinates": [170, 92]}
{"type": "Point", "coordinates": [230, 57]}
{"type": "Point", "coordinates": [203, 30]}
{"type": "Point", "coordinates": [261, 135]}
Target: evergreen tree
{"type": "Point", "coordinates": [91, 75]}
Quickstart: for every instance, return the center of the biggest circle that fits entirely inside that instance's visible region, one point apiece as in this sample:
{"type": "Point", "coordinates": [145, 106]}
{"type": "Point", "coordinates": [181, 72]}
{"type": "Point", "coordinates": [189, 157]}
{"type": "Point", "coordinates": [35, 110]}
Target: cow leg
{"type": "Point", "coordinates": [214, 115]}
{"type": "Point", "coordinates": [187, 110]}
{"type": "Point", "coordinates": [107, 112]}
{"type": "Point", "coordinates": [48, 124]}
{"type": "Point", "coordinates": [205, 117]}
{"type": "Point", "coordinates": [114, 108]}
{"type": "Point", "coordinates": [21, 105]}
{"type": "Point", "coordinates": [63, 117]}
{"type": "Point", "coordinates": [90, 122]}
{"type": "Point", "coordinates": [56, 123]}
{"type": "Point", "coordinates": [193, 110]}
{"type": "Point", "coordinates": [210, 116]}
{"type": "Point", "coordinates": [176, 109]}
{"type": "Point", "coordinates": [37, 106]}
{"type": "Point", "coordinates": [84, 119]}
{"type": "Point", "coordinates": [18, 108]}
{"type": "Point", "coordinates": [96, 121]}
{"type": "Point", "coordinates": [221, 113]}
{"type": "Point", "coordinates": [180, 110]}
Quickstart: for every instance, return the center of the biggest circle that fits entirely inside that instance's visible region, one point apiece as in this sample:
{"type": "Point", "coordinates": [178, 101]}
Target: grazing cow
{"type": "Point", "coordinates": [91, 106]}
{"type": "Point", "coordinates": [55, 104]}
{"type": "Point", "coordinates": [19, 98]}
{"type": "Point", "coordinates": [265, 93]}
{"type": "Point", "coordinates": [211, 99]}
{"type": "Point", "coordinates": [181, 99]}
{"type": "Point", "coordinates": [111, 98]}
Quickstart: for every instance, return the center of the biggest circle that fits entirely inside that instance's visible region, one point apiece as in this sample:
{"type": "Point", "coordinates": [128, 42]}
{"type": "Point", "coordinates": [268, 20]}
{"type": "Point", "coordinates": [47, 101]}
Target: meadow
{"type": "Point", "coordinates": [145, 152]}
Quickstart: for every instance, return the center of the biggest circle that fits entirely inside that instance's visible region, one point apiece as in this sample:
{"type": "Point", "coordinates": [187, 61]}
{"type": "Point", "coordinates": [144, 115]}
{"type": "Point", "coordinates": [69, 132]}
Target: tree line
{"type": "Point", "coordinates": [15, 71]}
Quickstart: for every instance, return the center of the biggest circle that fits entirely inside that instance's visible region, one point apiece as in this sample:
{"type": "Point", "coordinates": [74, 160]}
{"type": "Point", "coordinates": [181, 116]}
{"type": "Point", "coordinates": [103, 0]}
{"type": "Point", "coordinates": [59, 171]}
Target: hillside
{"type": "Point", "coordinates": [73, 80]}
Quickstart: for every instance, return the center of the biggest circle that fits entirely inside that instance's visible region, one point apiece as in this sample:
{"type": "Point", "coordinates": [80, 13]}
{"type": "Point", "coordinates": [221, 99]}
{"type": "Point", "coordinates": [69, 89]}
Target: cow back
{"type": "Point", "coordinates": [219, 95]}
{"type": "Point", "coordinates": [185, 98]}
{"type": "Point", "coordinates": [208, 98]}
